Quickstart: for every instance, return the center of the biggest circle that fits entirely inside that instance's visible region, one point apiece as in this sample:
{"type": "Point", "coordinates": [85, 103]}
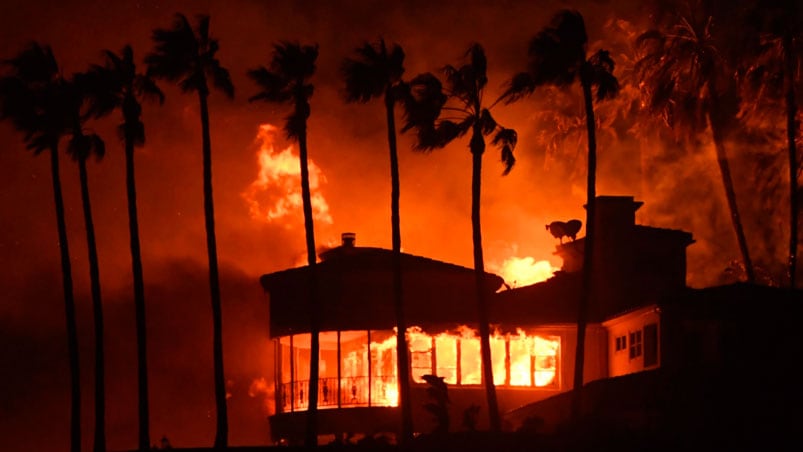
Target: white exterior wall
{"type": "Point", "coordinates": [628, 341]}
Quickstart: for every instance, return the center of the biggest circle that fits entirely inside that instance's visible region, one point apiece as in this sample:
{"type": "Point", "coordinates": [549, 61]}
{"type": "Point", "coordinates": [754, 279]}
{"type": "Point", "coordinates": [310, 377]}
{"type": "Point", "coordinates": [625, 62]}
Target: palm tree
{"type": "Point", "coordinates": [685, 79]}
{"type": "Point", "coordinates": [558, 56]}
{"type": "Point", "coordinates": [81, 147]}
{"type": "Point", "coordinates": [463, 99]}
{"type": "Point", "coordinates": [32, 97]}
{"type": "Point", "coordinates": [377, 72]}
{"type": "Point", "coordinates": [286, 81]}
{"type": "Point", "coordinates": [186, 55]}
{"type": "Point", "coordinates": [775, 43]}
{"type": "Point", "coordinates": [118, 85]}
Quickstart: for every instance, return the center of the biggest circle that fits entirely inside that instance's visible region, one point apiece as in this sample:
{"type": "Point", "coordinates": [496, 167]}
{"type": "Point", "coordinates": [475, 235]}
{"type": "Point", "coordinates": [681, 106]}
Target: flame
{"type": "Point", "coordinates": [276, 192]}
{"type": "Point", "coordinates": [523, 271]}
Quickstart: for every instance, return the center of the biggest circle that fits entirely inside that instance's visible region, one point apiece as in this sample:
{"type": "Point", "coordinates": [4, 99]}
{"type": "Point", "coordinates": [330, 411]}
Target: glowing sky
{"type": "Point", "coordinates": [347, 144]}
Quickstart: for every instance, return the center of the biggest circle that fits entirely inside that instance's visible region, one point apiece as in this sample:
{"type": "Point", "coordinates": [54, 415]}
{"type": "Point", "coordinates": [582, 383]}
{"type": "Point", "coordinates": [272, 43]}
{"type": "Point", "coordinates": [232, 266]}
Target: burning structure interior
{"type": "Point", "coordinates": [637, 268]}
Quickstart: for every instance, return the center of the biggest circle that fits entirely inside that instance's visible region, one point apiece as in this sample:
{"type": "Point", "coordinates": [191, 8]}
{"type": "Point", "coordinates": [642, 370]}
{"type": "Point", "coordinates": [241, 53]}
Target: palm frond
{"type": "Point", "coordinates": [423, 102]}
{"type": "Point", "coordinates": [220, 78]}
{"type": "Point", "coordinates": [34, 64]}
{"type": "Point", "coordinates": [487, 122]}
{"type": "Point", "coordinates": [506, 139]}
{"type": "Point", "coordinates": [521, 85]}
{"type": "Point", "coordinates": [274, 87]}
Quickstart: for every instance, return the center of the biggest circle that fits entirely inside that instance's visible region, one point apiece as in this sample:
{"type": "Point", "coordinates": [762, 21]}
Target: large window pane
{"type": "Point", "coordinates": [470, 361]}
{"type": "Point", "coordinates": [498, 357]}
{"type": "Point", "coordinates": [545, 355]}
{"type": "Point", "coordinates": [520, 360]}
{"type": "Point", "coordinates": [301, 368]}
{"type": "Point", "coordinates": [285, 374]}
{"type": "Point", "coordinates": [353, 368]}
{"type": "Point", "coordinates": [384, 386]}
{"type": "Point", "coordinates": [446, 358]}
{"type": "Point", "coordinates": [420, 354]}
{"type": "Point", "coordinates": [327, 370]}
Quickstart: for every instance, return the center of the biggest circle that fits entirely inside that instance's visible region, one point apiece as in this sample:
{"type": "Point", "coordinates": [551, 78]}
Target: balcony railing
{"type": "Point", "coordinates": [354, 392]}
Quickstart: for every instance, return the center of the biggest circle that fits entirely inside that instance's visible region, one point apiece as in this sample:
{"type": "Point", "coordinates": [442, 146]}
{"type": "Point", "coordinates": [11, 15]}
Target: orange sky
{"type": "Point", "coordinates": [346, 142]}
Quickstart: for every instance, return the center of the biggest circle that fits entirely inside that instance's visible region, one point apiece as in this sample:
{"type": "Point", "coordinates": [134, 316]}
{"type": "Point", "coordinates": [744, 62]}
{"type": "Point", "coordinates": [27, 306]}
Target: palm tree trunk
{"type": "Point", "coordinates": [139, 298]}
{"type": "Point", "coordinates": [730, 193]}
{"type": "Point", "coordinates": [311, 439]}
{"type": "Point", "coordinates": [97, 311]}
{"type": "Point", "coordinates": [222, 434]}
{"type": "Point", "coordinates": [477, 149]}
{"type": "Point", "coordinates": [791, 134]}
{"type": "Point", "coordinates": [402, 358]}
{"type": "Point", "coordinates": [69, 305]}
{"type": "Point", "coordinates": [588, 249]}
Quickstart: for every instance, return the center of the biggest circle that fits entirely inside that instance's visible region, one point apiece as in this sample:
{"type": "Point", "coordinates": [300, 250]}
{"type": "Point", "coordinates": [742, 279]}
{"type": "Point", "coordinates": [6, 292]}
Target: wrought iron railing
{"type": "Point", "coordinates": [354, 392]}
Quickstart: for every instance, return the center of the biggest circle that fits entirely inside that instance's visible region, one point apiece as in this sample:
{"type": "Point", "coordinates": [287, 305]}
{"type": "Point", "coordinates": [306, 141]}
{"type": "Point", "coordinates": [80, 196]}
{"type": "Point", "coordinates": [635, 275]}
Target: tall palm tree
{"type": "Point", "coordinates": [464, 101]}
{"type": "Point", "coordinates": [32, 97]}
{"type": "Point", "coordinates": [115, 85]}
{"type": "Point", "coordinates": [377, 72]}
{"type": "Point", "coordinates": [775, 33]}
{"type": "Point", "coordinates": [558, 56]}
{"type": "Point", "coordinates": [81, 147]}
{"type": "Point", "coordinates": [187, 55]}
{"type": "Point", "coordinates": [686, 79]}
{"type": "Point", "coordinates": [286, 81]}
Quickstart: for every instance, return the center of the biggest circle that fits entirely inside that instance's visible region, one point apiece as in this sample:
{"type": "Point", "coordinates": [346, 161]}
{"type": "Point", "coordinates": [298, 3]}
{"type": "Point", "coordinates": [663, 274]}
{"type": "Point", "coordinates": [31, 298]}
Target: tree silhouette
{"type": "Point", "coordinates": [377, 72]}
{"type": "Point", "coordinates": [463, 100]}
{"type": "Point", "coordinates": [115, 85]}
{"type": "Point", "coordinates": [558, 56]}
{"type": "Point", "coordinates": [286, 81]}
{"type": "Point", "coordinates": [685, 79]}
{"type": "Point", "coordinates": [32, 97]}
{"type": "Point", "coordinates": [186, 55]}
{"type": "Point", "coordinates": [81, 147]}
{"type": "Point", "coordinates": [774, 33]}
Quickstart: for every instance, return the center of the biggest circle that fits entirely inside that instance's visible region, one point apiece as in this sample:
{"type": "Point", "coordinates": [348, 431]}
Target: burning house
{"type": "Point", "coordinates": [637, 268]}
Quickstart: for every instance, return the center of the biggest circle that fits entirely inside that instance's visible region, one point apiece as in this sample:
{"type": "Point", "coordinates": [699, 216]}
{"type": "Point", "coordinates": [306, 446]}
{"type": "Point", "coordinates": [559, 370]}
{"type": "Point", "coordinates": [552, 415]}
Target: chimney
{"type": "Point", "coordinates": [348, 239]}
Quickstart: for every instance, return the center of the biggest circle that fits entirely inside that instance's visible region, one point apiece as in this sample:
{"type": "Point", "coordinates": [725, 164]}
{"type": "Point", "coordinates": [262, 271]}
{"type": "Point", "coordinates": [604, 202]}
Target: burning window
{"type": "Point", "coordinates": [358, 368]}
{"type": "Point", "coordinates": [519, 359]}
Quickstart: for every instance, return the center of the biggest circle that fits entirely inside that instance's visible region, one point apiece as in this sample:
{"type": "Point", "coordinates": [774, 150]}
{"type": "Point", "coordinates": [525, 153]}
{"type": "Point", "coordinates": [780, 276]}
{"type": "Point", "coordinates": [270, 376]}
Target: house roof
{"type": "Point", "coordinates": [355, 291]}
{"type": "Point", "coordinates": [552, 301]}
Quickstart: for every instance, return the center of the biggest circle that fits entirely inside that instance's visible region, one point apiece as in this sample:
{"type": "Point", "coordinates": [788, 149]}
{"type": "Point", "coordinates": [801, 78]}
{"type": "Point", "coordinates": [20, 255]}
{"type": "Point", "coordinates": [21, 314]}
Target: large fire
{"type": "Point", "coordinates": [523, 271]}
{"type": "Point", "coordinates": [358, 368]}
{"type": "Point", "coordinates": [276, 192]}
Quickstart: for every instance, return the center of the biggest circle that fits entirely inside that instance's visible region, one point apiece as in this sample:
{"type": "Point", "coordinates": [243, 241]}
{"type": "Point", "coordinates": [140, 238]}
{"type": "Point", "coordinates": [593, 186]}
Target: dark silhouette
{"type": "Point", "coordinates": [560, 229]}
{"type": "Point", "coordinates": [81, 147]}
{"type": "Point", "coordinates": [558, 56]}
{"type": "Point", "coordinates": [118, 85]}
{"type": "Point", "coordinates": [773, 42]}
{"type": "Point", "coordinates": [438, 405]}
{"type": "Point", "coordinates": [377, 72]}
{"type": "Point", "coordinates": [685, 79]}
{"type": "Point", "coordinates": [466, 87]}
{"type": "Point", "coordinates": [285, 81]}
{"type": "Point", "coordinates": [187, 56]}
{"type": "Point", "coordinates": [33, 98]}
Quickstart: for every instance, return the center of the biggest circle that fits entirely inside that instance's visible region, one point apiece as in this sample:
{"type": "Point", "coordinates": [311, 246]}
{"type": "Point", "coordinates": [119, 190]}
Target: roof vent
{"type": "Point", "coordinates": [348, 239]}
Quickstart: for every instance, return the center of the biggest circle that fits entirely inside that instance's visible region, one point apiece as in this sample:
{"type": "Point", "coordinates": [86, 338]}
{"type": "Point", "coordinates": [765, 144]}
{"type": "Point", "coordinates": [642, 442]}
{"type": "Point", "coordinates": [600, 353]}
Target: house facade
{"type": "Point", "coordinates": [534, 340]}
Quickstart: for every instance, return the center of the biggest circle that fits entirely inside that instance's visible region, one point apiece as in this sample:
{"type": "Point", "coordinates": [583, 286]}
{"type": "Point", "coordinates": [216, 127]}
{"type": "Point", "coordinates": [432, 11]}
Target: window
{"type": "Point", "coordinates": [635, 344]}
{"type": "Point", "coordinates": [621, 343]}
{"type": "Point", "coordinates": [446, 358]}
{"type": "Point", "coordinates": [420, 345]}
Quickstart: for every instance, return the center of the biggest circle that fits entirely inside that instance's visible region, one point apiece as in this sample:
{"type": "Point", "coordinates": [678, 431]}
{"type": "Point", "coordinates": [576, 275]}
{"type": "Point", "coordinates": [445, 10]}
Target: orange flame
{"type": "Point", "coordinates": [276, 192]}
{"type": "Point", "coordinates": [523, 271]}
